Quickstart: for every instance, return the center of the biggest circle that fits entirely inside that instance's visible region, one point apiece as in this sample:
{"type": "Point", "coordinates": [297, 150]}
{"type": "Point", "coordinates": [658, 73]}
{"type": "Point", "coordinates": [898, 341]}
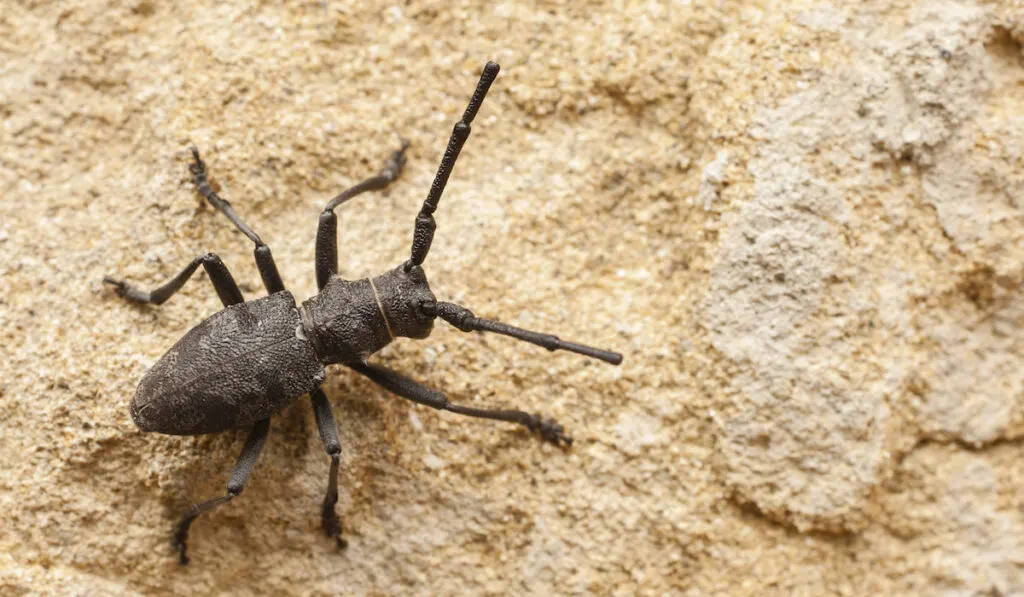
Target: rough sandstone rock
{"type": "Point", "coordinates": [803, 223]}
{"type": "Point", "coordinates": [823, 301]}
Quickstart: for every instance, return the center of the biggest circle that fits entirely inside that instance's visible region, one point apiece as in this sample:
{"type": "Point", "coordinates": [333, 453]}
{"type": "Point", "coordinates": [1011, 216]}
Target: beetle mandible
{"type": "Point", "coordinates": [252, 359]}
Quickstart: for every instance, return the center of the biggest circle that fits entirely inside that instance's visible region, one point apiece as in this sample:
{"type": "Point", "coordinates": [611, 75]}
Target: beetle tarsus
{"type": "Point", "coordinates": [183, 559]}
{"type": "Point", "coordinates": [180, 541]}
{"type": "Point", "coordinates": [329, 519]}
{"type": "Point", "coordinates": [199, 166]}
{"type": "Point", "coordinates": [393, 168]}
{"type": "Point", "coordinates": [200, 177]}
{"type": "Point", "coordinates": [119, 285]}
{"type": "Point", "coordinates": [550, 430]}
{"type": "Point", "coordinates": [332, 525]}
{"type": "Point", "coordinates": [128, 292]}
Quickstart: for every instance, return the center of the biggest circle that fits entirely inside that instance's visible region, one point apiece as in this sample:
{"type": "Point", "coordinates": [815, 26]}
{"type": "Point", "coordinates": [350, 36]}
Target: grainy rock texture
{"type": "Point", "coordinates": [803, 224]}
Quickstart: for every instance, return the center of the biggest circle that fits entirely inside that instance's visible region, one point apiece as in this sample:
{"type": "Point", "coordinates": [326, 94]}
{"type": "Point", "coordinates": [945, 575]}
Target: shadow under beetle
{"type": "Point", "coordinates": [254, 358]}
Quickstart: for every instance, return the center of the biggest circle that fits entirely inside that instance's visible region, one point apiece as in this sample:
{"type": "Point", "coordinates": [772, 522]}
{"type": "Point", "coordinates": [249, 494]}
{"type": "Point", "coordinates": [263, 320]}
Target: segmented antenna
{"type": "Point", "coordinates": [463, 319]}
{"type": "Point", "coordinates": [423, 235]}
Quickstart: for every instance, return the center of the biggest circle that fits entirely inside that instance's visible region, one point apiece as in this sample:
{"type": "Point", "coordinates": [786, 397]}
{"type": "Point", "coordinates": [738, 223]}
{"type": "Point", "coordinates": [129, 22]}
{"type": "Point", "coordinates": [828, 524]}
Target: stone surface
{"type": "Point", "coordinates": [803, 224]}
{"type": "Point", "coordinates": [822, 298]}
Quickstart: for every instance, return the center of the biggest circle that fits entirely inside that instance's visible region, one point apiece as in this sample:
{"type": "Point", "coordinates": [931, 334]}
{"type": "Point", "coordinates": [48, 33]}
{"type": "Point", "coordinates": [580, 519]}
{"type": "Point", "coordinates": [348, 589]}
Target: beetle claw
{"type": "Point", "coordinates": [551, 431]}
{"type": "Point", "coordinates": [199, 166]}
{"type": "Point", "coordinates": [126, 291]}
{"type": "Point", "coordinates": [120, 286]}
{"type": "Point", "coordinates": [183, 559]}
{"type": "Point", "coordinates": [332, 526]}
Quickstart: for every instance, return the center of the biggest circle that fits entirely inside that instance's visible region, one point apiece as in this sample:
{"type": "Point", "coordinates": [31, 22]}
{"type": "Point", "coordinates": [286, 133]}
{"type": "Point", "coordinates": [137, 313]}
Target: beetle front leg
{"type": "Point", "coordinates": [327, 229]}
{"type": "Point", "coordinates": [329, 436]}
{"type": "Point", "coordinates": [239, 477]}
{"type": "Point", "coordinates": [400, 385]}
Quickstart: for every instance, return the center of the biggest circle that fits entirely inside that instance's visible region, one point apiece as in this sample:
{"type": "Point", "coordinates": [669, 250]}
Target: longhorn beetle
{"type": "Point", "coordinates": [254, 358]}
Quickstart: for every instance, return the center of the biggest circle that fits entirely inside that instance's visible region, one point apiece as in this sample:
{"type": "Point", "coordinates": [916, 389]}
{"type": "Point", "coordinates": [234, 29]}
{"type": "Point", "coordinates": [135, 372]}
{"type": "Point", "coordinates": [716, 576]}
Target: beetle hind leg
{"type": "Point", "coordinates": [239, 477]}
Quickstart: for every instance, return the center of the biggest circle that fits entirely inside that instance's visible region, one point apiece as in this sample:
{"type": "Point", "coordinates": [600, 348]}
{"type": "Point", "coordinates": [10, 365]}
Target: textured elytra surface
{"type": "Point", "coordinates": [235, 368]}
{"type": "Point", "coordinates": [800, 222]}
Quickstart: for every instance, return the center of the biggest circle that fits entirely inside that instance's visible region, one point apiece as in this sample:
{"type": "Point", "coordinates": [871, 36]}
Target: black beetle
{"type": "Point", "coordinates": [253, 358]}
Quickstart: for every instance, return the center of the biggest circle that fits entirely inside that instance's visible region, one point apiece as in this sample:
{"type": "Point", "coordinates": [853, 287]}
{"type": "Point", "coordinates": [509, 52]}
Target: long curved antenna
{"type": "Point", "coordinates": [463, 319]}
{"type": "Point", "coordinates": [423, 235]}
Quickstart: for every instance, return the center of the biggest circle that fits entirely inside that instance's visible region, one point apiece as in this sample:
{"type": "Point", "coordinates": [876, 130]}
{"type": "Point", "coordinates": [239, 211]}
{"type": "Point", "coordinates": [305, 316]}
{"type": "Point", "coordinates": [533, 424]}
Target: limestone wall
{"type": "Point", "coordinates": [802, 223]}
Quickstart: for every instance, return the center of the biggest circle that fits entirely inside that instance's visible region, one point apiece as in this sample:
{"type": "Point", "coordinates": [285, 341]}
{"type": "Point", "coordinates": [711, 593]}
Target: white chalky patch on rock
{"type": "Point", "coordinates": [796, 294]}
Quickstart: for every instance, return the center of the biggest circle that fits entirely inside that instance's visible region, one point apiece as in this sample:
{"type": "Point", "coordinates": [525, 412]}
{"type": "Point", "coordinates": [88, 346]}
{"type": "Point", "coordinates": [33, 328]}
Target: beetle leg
{"type": "Point", "coordinates": [264, 258]}
{"type": "Point", "coordinates": [410, 389]}
{"type": "Point", "coordinates": [236, 483]}
{"type": "Point", "coordinates": [221, 278]}
{"type": "Point", "coordinates": [329, 436]}
{"type": "Point", "coordinates": [327, 229]}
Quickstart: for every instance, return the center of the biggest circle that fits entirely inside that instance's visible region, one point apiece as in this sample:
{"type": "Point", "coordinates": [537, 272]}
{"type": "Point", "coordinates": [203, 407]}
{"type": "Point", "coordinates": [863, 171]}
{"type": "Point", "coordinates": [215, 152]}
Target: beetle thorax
{"type": "Point", "coordinates": [349, 320]}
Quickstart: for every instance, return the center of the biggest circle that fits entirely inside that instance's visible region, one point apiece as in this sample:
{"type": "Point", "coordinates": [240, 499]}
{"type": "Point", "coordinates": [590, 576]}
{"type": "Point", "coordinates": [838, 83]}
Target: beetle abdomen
{"type": "Point", "coordinates": [237, 367]}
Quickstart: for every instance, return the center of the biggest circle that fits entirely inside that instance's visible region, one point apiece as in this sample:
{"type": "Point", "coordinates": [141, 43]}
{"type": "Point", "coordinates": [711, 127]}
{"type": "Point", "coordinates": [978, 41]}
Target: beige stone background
{"type": "Point", "coordinates": [803, 224]}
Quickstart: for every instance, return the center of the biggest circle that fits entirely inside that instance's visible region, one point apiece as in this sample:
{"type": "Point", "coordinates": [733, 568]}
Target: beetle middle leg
{"type": "Point", "coordinates": [225, 285]}
{"type": "Point", "coordinates": [264, 258]}
{"type": "Point", "coordinates": [236, 483]}
{"type": "Point", "coordinates": [410, 389]}
{"type": "Point", "coordinates": [329, 436]}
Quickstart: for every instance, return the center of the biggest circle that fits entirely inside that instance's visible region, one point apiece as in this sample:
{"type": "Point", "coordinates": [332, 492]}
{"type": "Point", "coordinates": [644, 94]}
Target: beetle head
{"type": "Point", "coordinates": [401, 293]}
